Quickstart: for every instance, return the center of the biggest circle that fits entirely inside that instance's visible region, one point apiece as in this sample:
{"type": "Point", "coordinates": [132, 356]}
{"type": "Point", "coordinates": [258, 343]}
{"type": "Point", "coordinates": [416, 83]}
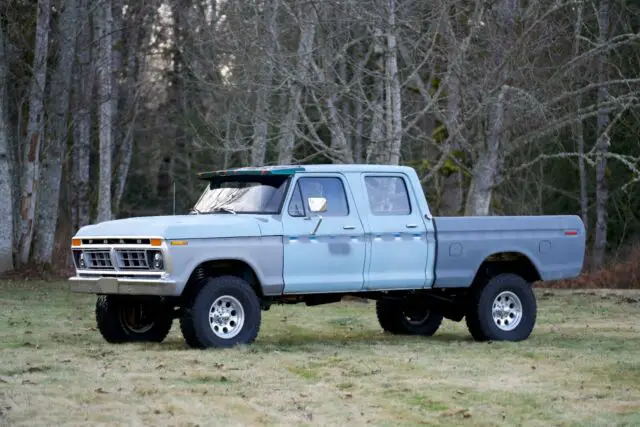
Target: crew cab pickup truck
{"type": "Point", "coordinates": [314, 234]}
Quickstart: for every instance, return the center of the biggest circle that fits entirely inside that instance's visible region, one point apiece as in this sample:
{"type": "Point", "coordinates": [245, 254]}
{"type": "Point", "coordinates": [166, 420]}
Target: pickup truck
{"type": "Point", "coordinates": [314, 234]}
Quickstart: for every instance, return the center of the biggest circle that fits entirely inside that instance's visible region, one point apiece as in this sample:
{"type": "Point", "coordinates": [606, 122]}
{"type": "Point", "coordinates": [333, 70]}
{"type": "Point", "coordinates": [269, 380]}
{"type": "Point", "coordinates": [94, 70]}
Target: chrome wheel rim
{"type": "Point", "coordinates": [226, 317]}
{"type": "Point", "coordinates": [507, 311]}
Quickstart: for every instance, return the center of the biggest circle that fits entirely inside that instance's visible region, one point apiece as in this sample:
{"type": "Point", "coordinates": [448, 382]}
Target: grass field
{"type": "Point", "coordinates": [326, 365]}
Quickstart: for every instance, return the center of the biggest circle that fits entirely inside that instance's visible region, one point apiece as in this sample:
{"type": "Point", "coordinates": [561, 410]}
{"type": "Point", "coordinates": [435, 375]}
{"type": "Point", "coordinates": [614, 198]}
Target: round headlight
{"type": "Point", "coordinates": [81, 262]}
{"type": "Point", "coordinates": [158, 262]}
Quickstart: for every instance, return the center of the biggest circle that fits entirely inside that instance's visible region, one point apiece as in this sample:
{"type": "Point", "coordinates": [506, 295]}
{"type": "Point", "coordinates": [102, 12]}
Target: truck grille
{"type": "Point", "coordinates": [132, 259]}
{"type": "Point", "coordinates": [126, 260]}
{"type": "Point", "coordinates": [98, 259]}
{"type": "Point", "coordinates": [114, 241]}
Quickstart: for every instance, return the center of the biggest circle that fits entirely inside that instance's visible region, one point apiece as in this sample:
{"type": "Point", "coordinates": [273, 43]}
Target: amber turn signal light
{"type": "Point", "coordinates": [156, 242]}
{"type": "Point", "coordinates": [76, 242]}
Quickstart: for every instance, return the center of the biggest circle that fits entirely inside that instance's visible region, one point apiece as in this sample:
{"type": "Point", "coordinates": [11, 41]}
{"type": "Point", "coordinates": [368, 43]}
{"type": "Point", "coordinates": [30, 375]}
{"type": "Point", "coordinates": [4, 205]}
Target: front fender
{"type": "Point", "coordinates": [263, 254]}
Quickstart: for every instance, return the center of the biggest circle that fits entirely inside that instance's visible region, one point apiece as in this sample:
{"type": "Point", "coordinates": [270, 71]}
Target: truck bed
{"type": "Point", "coordinates": [554, 244]}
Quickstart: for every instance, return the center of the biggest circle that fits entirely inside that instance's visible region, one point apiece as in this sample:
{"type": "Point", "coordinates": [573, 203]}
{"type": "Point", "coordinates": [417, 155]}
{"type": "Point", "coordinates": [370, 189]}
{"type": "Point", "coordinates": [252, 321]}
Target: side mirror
{"type": "Point", "coordinates": [317, 204]}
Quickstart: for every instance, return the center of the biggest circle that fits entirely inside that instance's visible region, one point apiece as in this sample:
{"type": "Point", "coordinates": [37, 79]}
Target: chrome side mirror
{"type": "Point", "coordinates": [317, 205]}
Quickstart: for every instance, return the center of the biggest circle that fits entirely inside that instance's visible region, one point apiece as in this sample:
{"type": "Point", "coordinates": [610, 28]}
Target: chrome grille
{"type": "Point", "coordinates": [132, 259]}
{"type": "Point", "coordinates": [98, 259]}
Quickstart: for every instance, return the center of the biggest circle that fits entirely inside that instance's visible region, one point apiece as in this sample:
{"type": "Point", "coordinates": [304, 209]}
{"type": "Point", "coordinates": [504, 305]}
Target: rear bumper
{"type": "Point", "coordinates": [123, 286]}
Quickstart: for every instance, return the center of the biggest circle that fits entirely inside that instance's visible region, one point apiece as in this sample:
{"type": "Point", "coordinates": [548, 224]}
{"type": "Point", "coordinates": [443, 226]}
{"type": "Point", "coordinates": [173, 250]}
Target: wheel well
{"type": "Point", "coordinates": [217, 268]}
{"type": "Point", "coordinates": [506, 262]}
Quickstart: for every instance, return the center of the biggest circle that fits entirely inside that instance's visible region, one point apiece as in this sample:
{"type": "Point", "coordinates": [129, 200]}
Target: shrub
{"type": "Point", "coordinates": [622, 272]}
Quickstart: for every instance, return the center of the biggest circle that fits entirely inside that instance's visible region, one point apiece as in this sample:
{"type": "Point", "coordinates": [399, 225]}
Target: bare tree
{"type": "Point", "coordinates": [35, 130]}
{"type": "Point", "coordinates": [104, 28]}
{"type": "Point", "coordinates": [6, 207]}
{"type": "Point", "coordinates": [308, 19]}
{"type": "Point", "coordinates": [261, 120]}
{"type": "Point", "coordinates": [51, 173]}
{"type": "Point", "coordinates": [394, 103]}
{"type": "Point", "coordinates": [578, 127]}
{"type": "Point", "coordinates": [83, 90]}
{"type": "Point", "coordinates": [137, 31]}
{"type": "Point", "coordinates": [485, 169]}
{"type": "Point", "coordinates": [117, 43]}
{"type": "Point", "coordinates": [602, 130]}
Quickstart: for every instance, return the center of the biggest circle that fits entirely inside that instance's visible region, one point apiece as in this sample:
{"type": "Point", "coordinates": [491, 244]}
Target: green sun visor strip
{"type": "Point", "coordinates": [270, 170]}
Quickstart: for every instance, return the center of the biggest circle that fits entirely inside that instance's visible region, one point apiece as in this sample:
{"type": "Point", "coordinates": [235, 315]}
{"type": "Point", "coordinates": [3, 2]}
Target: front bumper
{"type": "Point", "coordinates": [123, 286]}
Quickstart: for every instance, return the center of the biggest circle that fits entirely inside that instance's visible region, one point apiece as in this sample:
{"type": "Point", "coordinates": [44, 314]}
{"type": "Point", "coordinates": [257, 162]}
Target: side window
{"type": "Point", "coordinates": [330, 188]}
{"type": "Point", "coordinates": [296, 207]}
{"type": "Point", "coordinates": [387, 195]}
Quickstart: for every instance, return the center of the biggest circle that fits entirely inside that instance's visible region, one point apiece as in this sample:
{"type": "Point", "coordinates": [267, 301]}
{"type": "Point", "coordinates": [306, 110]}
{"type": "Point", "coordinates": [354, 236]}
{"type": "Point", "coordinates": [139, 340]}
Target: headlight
{"type": "Point", "coordinates": [81, 262]}
{"type": "Point", "coordinates": [158, 262]}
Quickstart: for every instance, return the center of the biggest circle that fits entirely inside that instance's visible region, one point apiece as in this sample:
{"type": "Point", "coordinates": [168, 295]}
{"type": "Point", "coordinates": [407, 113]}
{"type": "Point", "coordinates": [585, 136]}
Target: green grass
{"type": "Point", "coordinates": [327, 365]}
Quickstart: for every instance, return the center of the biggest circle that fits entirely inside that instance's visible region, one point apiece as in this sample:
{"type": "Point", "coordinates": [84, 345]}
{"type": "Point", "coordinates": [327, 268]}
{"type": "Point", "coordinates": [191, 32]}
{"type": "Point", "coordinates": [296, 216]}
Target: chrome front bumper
{"type": "Point", "coordinates": [123, 286]}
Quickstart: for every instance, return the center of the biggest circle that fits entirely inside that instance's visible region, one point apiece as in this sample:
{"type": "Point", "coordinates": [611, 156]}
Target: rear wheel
{"type": "Point", "coordinates": [401, 317]}
{"type": "Point", "coordinates": [125, 319]}
{"type": "Point", "coordinates": [224, 313]}
{"type": "Point", "coordinates": [505, 309]}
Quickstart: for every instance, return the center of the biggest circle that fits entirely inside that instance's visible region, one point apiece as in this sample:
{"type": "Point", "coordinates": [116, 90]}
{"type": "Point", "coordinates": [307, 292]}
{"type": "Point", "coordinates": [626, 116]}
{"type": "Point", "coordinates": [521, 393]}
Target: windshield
{"type": "Point", "coordinates": [243, 194]}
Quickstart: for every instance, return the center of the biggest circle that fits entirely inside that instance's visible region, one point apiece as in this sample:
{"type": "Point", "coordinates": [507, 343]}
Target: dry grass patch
{"type": "Point", "coordinates": [328, 365]}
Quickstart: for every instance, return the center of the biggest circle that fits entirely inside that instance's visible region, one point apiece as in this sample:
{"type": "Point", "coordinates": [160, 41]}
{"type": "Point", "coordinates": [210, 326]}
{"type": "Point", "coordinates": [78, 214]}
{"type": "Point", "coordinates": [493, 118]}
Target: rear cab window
{"type": "Point", "coordinates": [387, 195]}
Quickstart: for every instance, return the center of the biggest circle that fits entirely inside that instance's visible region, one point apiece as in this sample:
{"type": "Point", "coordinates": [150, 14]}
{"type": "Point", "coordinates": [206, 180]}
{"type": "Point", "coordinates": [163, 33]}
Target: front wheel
{"type": "Point", "coordinates": [400, 317]}
{"type": "Point", "coordinates": [504, 309]}
{"type": "Point", "coordinates": [126, 319]}
{"type": "Point", "coordinates": [224, 313]}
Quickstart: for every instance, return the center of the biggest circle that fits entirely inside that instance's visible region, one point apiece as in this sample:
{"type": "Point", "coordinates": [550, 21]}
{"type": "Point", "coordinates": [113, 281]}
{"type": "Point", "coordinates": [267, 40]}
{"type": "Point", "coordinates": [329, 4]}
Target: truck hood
{"type": "Point", "coordinates": [177, 227]}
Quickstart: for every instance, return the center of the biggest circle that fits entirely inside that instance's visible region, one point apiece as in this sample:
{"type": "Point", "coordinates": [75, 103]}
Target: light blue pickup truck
{"type": "Point", "coordinates": [314, 234]}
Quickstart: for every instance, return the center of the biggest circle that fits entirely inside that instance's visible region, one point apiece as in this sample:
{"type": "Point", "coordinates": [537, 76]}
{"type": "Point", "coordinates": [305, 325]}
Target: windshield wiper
{"type": "Point", "coordinates": [225, 209]}
{"type": "Point", "coordinates": [196, 211]}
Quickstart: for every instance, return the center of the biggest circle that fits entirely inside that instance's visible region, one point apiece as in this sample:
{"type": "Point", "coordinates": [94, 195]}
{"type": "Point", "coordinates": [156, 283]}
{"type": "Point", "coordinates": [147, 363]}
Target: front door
{"type": "Point", "coordinates": [399, 248]}
{"type": "Point", "coordinates": [332, 258]}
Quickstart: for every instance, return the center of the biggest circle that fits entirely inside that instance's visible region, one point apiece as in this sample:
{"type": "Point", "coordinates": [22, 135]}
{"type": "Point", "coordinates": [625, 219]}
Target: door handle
{"type": "Point", "coordinates": [412, 225]}
{"type": "Point", "coordinates": [349, 227]}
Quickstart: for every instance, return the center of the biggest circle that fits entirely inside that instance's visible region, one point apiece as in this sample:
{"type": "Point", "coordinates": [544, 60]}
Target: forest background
{"type": "Point", "coordinates": [504, 107]}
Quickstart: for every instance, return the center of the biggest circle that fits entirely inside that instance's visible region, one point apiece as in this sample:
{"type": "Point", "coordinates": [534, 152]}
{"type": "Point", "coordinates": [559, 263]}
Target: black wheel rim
{"type": "Point", "coordinates": [134, 318]}
{"type": "Point", "coordinates": [416, 317]}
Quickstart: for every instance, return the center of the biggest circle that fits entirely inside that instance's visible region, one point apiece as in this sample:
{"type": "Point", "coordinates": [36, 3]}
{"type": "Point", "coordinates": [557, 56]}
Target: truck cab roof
{"type": "Point", "coordinates": [317, 168]}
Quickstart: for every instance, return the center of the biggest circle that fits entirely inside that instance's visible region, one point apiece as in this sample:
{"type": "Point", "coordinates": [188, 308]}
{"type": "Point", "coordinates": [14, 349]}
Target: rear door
{"type": "Point", "coordinates": [398, 242]}
{"type": "Point", "coordinates": [331, 259]}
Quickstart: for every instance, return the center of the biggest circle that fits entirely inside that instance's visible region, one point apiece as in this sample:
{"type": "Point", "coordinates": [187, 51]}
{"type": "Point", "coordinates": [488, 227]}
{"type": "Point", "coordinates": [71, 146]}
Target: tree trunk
{"type": "Point", "coordinates": [83, 97]}
{"type": "Point", "coordinates": [309, 19]}
{"type": "Point", "coordinates": [578, 127]}
{"type": "Point", "coordinates": [261, 121]}
{"type": "Point", "coordinates": [395, 104]}
{"type": "Point", "coordinates": [338, 137]}
{"type": "Point", "coordinates": [134, 66]}
{"type": "Point", "coordinates": [105, 25]}
{"type": "Point", "coordinates": [117, 7]}
{"type": "Point", "coordinates": [488, 165]}
{"type": "Point", "coordinates": [347, 117]}
{"type": "Point", "coordinates": [602, 145]}
{"type": "Point", "coordinates": [484, 171]}
{"type": "Point", "coordinates": [6, 187]}
{"type": "Point", "coordinates": [375, 150]}
{"type": "Point", "coordinates": [51, 174]}
{"type": "Point", "coordinates": [35, 129]}
{"type": "Point", "coordinates": [452, 191]}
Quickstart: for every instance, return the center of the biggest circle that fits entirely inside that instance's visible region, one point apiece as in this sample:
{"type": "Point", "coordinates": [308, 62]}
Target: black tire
{"type": "Point", "coordinates": [396, 317]}
{"type": "Point", "coordinates": [479, 316]}
{"type": "Point", "coordinates": [196, 327]}
{"type": "Point", "coordinates": [114, 315]}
